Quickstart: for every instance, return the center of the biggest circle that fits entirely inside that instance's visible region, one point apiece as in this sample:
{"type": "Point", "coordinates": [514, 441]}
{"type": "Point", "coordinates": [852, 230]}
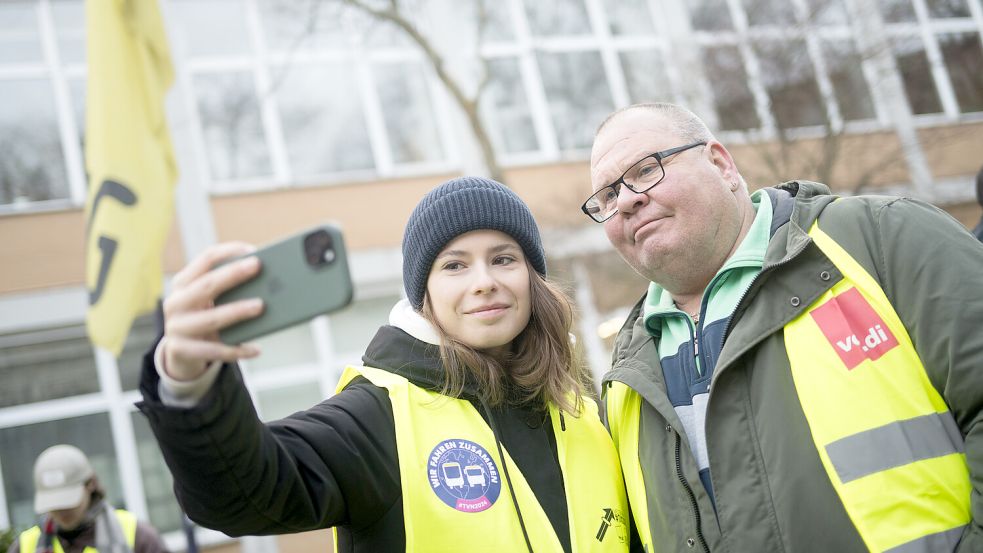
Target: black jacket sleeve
{"type": "Point", "coordinates": [333, 464]}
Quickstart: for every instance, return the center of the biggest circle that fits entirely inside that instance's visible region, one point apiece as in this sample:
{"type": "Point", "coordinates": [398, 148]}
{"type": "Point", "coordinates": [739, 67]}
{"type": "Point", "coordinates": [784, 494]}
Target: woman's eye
{"type": "Point", "coordinates": [453, 266]}
{"type": "Point", "coordinates": [504, 260]}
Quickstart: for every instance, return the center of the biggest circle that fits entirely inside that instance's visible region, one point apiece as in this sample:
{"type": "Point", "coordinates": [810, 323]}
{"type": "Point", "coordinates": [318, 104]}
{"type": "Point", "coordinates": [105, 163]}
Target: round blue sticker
{"type": "Point", "coordinates": [463, 475]}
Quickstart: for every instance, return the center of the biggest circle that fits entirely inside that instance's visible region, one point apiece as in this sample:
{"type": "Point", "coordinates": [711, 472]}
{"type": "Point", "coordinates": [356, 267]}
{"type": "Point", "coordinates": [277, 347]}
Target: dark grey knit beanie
{"type": "Point", "coordinates": [461, 205]}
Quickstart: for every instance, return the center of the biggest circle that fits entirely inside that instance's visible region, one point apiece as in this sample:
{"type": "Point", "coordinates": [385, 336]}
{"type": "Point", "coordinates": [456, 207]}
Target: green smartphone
{"type": "Point", "coordinates": [302, 276]}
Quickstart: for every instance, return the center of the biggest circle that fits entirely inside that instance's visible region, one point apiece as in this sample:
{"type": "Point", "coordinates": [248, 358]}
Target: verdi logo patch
{"type": "Point", "coordinates": [853, 328]}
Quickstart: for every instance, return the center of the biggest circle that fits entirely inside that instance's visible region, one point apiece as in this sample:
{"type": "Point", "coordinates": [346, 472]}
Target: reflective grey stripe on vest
{"type": "Point", "coordinates": [932, 543]}
{"type": "Point", "coordinates": [894, 445]}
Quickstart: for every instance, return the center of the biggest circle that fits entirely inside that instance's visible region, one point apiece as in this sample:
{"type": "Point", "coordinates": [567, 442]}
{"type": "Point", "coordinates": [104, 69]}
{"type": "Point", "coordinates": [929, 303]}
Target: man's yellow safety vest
{"type": "Point", "coordinates": [455, 492]}
{"type": "Point", "coordinates": [887, 440]}
{"type": "Point", "coordinates": [127, 521]}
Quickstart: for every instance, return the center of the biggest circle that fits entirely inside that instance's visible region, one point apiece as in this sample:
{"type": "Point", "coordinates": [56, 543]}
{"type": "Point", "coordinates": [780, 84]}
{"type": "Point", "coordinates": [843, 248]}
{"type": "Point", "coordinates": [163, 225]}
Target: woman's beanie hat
{"type": "Point", "coordinates": [458, 206]}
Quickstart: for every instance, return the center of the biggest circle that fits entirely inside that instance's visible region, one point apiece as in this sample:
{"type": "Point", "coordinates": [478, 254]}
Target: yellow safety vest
{"type": "Point", "coordinates": [455, 495]}
{"type": "Point", "coordinates": [127, 522]}
{"type": "Point", "coordinates": [623, 408]}
{"type": "Point", "coordinates": [888, 442]}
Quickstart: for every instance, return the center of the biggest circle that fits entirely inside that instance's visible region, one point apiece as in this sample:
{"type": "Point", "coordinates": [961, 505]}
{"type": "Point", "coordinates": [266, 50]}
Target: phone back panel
{"type": "Point", "coordinates": [293, 290]}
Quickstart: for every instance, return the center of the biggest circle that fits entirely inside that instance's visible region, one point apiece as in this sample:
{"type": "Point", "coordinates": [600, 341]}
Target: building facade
{"type": "Point", "coordinates": [287, 113]}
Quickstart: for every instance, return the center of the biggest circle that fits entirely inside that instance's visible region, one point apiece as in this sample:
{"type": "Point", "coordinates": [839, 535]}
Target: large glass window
{"type": "Point", "coordinates": [578, 95]}
{"type": "Point", "coordinates": [709, 15]}
{"type": "Point", "coordinates": [947, 8]}
{"type": "Point", "coordinates": [277, 403]}
{"type": "Point", "coordinates": [309, 25]}
{"type": "Point", "coordinates": [844, 66]}
{"type": "Point", "coordinates": [916, 73]}
{"type": "Point", "coordinates": [963, 55]}
{"type": "Point", "coordinates": [234, 136]}
{"type": "Point", "coordinates": [32, 164]}
{"type": "Point", "coordinates": [142, 335]}
{"type": "Point", "coordinates": [353, 327]}
{"type": "Point", "coordinates": [557, 17]}
{"type": "Point", "coordinates": [22, 444]}
{"type": "Point", "coordinates": [786, 71]}
{"type": "Point", "coordinates": [289, 347]}
{"type": "Point", "coordinates": [826, 12]}
{"type": "Point", "coordinates": [629, 17]}
{"type": "Point", "coordinates": [505, 108]}
{"type": "Point", "coordinates": [897, 11]}
{"type": "Point", "coordinates": [46, 364]}
{"type": "Point", "coordinates": [20, 41]}
{"type": "Point", "coordinates": [769, 12]}
{"type": "Point", "coordinates": [732, 96]}
{"type": "Point", "coordinates": [162, 507]}
{"type": "Point", "coordinates": [645, 75]}
{"type": "Point", "coordinates": [212, 28]}
{"type": "Point", "coordinates": [408, 112]}
{"type": "Point", "coordinates": [323, 122]}
{"type": "Point", "coordinates": [69, 21]}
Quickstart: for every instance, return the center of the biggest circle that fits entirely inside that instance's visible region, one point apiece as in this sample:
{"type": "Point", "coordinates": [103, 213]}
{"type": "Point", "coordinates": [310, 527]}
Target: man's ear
{"type": "Point", "coordinates": [722, 160]}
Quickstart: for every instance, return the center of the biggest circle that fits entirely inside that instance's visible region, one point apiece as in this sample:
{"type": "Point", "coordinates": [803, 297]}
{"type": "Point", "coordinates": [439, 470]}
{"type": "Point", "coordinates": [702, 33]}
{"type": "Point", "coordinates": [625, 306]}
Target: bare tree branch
{"type": "Point", "coordinates": [468, 105]}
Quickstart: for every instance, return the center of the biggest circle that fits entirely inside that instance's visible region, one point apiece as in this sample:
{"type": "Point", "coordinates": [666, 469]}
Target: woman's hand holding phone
{"type": "Point", "coordinates": [192, 321]}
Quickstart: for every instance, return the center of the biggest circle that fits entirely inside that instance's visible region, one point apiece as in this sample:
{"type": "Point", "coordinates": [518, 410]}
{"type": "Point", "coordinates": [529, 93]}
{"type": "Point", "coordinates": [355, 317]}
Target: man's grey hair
{"type": "Point", "coordinates": [684, 122]}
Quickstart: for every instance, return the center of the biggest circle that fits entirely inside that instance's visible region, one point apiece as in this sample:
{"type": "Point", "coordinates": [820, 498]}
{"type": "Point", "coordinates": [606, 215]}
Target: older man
{"type": "Point", "coordinates": [805, 372]}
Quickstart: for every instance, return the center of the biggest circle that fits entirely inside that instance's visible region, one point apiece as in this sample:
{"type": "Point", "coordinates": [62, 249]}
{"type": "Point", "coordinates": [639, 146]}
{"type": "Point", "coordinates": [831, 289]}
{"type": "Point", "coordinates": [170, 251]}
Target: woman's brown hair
{"type": "Point", "coordinates": [542, 366]}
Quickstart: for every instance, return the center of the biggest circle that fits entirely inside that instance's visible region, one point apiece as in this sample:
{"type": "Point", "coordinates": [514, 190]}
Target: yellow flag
{"type": "Point", "coordinates": [130, 164]}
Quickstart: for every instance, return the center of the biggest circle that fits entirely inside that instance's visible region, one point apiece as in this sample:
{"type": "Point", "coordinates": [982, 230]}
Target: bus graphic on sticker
{"type": "Point", "coordinates": [463, 475]}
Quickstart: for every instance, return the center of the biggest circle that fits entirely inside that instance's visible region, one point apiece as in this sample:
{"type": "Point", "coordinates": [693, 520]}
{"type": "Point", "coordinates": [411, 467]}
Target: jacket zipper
{"type": "Point", "coordinates": [692, 498]}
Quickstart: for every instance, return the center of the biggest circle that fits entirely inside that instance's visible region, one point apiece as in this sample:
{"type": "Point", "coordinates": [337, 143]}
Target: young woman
{"type": "Point", "coordinates": [466, 427]}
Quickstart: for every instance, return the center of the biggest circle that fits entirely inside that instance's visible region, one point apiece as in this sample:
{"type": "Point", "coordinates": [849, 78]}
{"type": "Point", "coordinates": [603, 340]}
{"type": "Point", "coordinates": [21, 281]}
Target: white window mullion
{"type": "Point", "coordinates": [762, 101]}
{"type": "Point", "coordinates": [976, 11]}
{"type": "Point", "coordinates": [939, 72]}
{"type": "Point", "coordinates": [609, 55]}
{"type": "Point", "coordinates": [374, 118]}
{"type": "Point", "coordinates": [682, 53]}
{"type": "Point", "coordinates": [888, 90]}
{"type": "Point", "coordinates": [267, 97]}
{"type": "Point", "coordinates": [539, 107]}
{"type": "Point", "coordinates": [67, 128]}
{"type": "Point", "coordinates": [121, 426]}
{"type": "Point", "coordinates": [448, 115]}
{"type": "Point", "coordinates": [815, 50]}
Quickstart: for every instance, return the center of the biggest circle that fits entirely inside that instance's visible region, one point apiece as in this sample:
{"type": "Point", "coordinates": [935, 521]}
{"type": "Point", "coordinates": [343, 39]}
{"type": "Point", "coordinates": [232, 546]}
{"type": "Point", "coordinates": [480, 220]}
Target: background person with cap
{"type": "Point", "coordinates": [75, 514]}
{"type": "Point", "coordinates": [466, 428]}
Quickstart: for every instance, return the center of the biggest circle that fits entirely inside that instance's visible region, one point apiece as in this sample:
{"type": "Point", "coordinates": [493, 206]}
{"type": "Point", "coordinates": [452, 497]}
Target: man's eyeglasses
{"type": "Point", "coordinates": [639, 178]}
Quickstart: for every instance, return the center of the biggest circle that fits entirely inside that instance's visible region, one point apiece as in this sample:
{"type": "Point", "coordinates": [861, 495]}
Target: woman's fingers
{"type": "Point", "coordinates": [201, 292]}
{"type": "Point", "coordinates": [191, 319]}
{"type": "Point", "coordinates": [207, 322]}
{"type": "Point", "coordinates": [210, 257]}
{"type": "Point", "coordinates": [187, 358]}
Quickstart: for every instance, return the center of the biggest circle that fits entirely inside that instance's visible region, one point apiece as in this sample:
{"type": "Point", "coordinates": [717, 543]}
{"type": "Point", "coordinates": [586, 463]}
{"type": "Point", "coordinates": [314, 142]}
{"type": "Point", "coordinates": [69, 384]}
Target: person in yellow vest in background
{"type": "Point", "coordinates": [466, 428]}
{"type": "Point", "coordinates": [75, 514]}
{"type": "Point", "coordinates": [804, 372]}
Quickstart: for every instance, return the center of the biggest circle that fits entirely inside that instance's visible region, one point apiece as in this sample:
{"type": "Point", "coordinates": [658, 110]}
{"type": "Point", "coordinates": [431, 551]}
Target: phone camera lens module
{"type": "Point", "coordinates": [319, 249]}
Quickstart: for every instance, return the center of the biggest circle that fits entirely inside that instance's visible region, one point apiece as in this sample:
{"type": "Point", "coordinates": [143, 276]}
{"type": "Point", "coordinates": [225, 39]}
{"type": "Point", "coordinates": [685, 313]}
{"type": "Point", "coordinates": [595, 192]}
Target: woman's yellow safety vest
{"type": "Point", "coordinates": [890, 446]}
{"type": "Point", "coordinates": [888, 442]}
{"type": "Point", "coordinates": [127, 521]}
{"type": "Point", "coordinates": [455, 495]}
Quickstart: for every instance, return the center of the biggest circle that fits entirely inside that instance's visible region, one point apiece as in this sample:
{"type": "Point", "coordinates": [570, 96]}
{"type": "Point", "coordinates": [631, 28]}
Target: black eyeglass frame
{"type": "Point", "coordinates": [659, 156]}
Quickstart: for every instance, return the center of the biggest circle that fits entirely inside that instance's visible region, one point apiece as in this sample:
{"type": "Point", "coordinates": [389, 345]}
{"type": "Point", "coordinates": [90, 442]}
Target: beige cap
{"type": "Point", "coordinates": [60, 474]}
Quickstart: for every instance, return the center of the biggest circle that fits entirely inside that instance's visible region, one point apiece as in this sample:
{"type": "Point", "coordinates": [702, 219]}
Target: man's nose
{"type": "Point", "coordinates": [629, 201]}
